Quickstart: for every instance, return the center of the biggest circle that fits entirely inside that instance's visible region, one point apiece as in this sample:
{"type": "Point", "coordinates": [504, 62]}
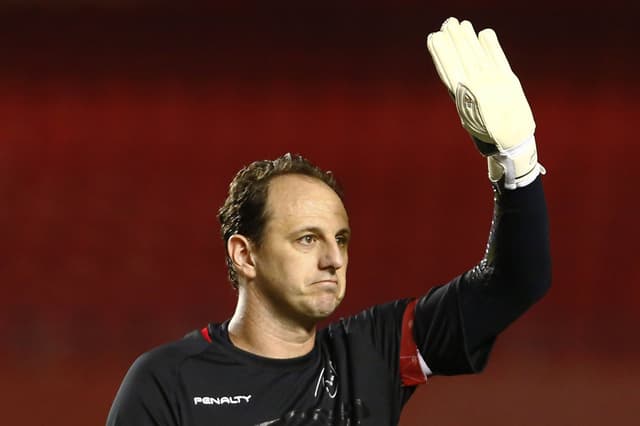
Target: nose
{"type": "Point", "coordinates": [333, 256]}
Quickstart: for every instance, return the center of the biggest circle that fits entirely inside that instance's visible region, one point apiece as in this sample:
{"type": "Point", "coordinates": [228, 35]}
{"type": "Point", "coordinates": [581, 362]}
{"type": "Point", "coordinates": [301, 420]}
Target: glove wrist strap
{"type": "Point", "coordinates": [518, 165]}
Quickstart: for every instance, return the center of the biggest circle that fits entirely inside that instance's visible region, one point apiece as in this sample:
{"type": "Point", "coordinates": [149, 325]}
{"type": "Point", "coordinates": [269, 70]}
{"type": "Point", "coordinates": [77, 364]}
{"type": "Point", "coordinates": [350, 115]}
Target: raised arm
{"type": "Point", "coordinates": [456, 324]}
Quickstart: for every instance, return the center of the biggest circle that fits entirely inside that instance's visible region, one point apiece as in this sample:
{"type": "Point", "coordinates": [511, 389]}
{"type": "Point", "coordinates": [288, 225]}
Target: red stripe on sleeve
{"type": "Point", "coordinates": [205, 334]}
{"type": "Point", "coordinates": [410, 371]}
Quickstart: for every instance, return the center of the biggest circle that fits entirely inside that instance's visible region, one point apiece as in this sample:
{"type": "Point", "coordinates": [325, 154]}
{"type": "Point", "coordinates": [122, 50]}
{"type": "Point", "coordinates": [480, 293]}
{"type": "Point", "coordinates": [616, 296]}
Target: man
{"type": "Point", "coordinates": [287, 236]}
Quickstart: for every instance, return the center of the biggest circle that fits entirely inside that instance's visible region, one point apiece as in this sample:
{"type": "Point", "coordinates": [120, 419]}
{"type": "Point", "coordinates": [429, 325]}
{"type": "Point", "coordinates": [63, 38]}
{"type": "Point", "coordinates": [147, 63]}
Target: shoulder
{"type": "Point", "coordinates": [376, 315]}
{"type": "Point", "coordinates": [378, 323]}
{"type": "Point", "coordinates": [164, 359]}
{"type": "Point", "coordinates": [144, 397]}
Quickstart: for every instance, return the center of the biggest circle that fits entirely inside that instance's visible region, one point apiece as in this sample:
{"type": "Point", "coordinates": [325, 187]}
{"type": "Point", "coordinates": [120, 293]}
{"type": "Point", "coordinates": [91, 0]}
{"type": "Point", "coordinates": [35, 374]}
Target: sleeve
{"type": "Point", "coordinates": [145, 397]}
{"type": "Point", "coordinates": [456, 324]}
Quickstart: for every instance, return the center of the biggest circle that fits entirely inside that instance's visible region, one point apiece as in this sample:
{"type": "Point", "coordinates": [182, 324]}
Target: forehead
{"type": "Point", "coordinates": [295, 200]}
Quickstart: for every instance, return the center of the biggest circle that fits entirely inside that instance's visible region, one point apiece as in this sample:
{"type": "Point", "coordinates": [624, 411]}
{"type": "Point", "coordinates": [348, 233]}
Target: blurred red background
{"type": "Point", "coordinates": [123, 122]}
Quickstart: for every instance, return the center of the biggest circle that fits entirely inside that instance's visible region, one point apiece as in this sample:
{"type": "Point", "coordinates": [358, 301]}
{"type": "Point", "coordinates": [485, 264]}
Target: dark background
{"type": "Point", "coordinates": [123, 122]}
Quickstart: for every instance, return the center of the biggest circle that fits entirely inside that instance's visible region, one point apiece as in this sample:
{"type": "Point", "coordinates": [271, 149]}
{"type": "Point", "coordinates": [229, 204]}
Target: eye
{"type": "Point", "coordinates": [307, 240]}
{"type": "Point", "coordinates": [342, 240]}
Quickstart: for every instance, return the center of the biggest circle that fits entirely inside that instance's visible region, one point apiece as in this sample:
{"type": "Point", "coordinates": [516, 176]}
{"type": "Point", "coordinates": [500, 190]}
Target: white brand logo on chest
{"type": "Point", "coordinates": [221, 400]}
{"type": "Point", "coordinates": [329, 378]}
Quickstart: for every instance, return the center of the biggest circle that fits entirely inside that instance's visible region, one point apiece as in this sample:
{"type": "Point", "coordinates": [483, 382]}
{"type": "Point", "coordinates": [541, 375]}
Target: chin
{"type": "Point", "coordinates": [325, 307]}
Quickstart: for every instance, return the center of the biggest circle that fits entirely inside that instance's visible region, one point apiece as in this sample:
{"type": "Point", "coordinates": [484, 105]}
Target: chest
{"type": "Point", "coordinates": [330, 389]}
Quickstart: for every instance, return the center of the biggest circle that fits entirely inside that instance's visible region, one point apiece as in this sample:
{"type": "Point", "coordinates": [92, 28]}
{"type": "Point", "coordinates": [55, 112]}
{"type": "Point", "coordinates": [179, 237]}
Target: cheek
{"type": "Point", "coordinates": [295, 268]}
{"type": "Point", "coordinates": [345, 264]}
{"type": "Point", "coordinates": [342, 274]}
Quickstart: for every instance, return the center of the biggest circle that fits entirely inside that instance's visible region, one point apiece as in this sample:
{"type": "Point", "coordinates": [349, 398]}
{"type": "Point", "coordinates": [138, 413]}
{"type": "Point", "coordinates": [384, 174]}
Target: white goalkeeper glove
{"type": "Point", "coordinates": [489, 99]}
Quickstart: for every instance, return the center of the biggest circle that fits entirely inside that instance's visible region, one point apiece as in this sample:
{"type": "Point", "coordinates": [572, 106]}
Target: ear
{"type": "Point", "coordinates": [240, 251]}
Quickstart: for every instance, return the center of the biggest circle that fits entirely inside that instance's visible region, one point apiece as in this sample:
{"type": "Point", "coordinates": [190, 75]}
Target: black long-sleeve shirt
{"type": "Point", "coordinates": [363, 368]}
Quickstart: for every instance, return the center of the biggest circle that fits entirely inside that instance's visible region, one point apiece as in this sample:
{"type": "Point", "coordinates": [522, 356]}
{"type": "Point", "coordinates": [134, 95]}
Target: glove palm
{"type": "Point", "coordinates": [489, 99]}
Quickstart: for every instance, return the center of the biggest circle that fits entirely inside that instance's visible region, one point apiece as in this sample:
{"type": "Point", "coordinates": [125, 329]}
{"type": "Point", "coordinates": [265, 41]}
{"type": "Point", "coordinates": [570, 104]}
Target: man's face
{"type": "Point", "coordinates": [301, 264]}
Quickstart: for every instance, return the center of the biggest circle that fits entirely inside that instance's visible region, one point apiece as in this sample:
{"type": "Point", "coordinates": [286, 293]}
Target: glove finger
{"type": "Point", "coordinates": [464, 51]}
{"type": "Point", "coordinates": [432, 50]}
{"type": "Point", "coordinates": [477, 56]}
{"type": "Point", "coordinates": [446, 59]}
{"type": "Point", "coordinates": [449, 21]}
{"type": "Point", "coordinates": [489, 42]}
{"type": "Point", "coordinates": [435, 60]}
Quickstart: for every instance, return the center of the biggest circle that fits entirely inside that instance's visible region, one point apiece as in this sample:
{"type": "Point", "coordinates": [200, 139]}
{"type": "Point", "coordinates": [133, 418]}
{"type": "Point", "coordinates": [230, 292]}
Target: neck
{"type": "Point", "coordinates": [257, 328]}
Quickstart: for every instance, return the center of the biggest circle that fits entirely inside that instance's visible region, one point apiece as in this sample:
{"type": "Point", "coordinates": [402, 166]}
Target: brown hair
{"type": "Point", "coordinates": [243, 212]}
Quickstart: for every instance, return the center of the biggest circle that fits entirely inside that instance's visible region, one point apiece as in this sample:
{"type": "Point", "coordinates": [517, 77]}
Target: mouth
{"type": "Point", "coordinates": [331, 283]}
